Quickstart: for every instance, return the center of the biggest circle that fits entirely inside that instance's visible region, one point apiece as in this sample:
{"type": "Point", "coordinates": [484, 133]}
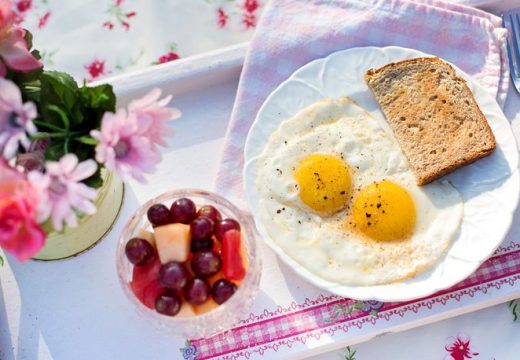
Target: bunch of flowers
{"type": "Point", "coordinates": [56, 136]}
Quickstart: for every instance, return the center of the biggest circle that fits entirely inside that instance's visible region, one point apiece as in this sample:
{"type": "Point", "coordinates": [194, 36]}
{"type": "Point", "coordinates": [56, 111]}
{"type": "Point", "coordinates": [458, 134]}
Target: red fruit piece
{"type": "Point", "coordinates": [143, 275]}
{"type": "Point", "coordinates": [232, 264]}
{"type": "Point", "coordinates": [151, 293]}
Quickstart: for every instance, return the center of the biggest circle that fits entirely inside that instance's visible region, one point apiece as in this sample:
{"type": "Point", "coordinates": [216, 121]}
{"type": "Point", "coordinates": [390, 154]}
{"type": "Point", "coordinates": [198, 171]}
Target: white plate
{"type": "Point", "coordinates": [490, 187]}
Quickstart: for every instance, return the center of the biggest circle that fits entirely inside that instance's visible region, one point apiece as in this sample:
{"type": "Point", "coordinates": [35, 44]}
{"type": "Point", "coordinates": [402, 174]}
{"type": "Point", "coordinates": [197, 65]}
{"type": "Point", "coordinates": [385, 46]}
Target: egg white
{"type": "Point", "coordinates": [323, 244]}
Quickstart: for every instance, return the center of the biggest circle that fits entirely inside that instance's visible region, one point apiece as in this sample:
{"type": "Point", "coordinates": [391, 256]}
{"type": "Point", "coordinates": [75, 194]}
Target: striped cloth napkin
{"type": "Point", "coordinates": [293, 32]}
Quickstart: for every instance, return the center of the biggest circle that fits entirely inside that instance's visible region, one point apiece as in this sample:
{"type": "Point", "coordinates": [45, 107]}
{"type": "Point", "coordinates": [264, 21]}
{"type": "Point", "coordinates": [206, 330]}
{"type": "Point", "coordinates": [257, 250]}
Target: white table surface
{"type": "Point", "coordinates": [75, 309]}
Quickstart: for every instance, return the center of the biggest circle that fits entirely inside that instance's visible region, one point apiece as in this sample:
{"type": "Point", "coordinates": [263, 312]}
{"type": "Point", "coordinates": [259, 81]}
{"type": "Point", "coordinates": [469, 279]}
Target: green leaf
{"type": "Point", "coordinates": [87, 140]}
{"type": "Point", "coordinates": [44, 125]}
{"type": "Point", "coordinates": [95, 181]}
{"type": "Point", "coordinates": [47, 226]}
{"type": "Point", "coordinates": [101, 97]}
{"type": "Point", "coordinates": [28, 37]}
{"type": "Point", "coordinates": [64, 118]}
{"type": "Point", "coordinates": [1, 261]}
{"type": "Point", "coordinates": [358, 305]}
{"type": "Point", "coordinates": [373, 312]}
{"type": "Point", "coordinates": [36, 54]}
{"type": "Point", "coordinates": [29, 84]}
{"type": "Point", "coordinates": [350, 355]}
{"type": "Point", "coordinates": [61, 91]}
{"type": "Point", "coordinates": [55, 151]}
{"type": "Point", "coordinates": [97, 100]}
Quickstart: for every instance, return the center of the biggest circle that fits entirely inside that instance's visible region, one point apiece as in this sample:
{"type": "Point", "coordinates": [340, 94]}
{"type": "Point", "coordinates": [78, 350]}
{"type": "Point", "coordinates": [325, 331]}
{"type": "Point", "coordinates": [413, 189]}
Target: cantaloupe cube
{"type": "Point", "coordinates": [186, 310]}
{"type": "Point", "coordinates": [173, 242]}
{"type": "Point", "coordinates": [214, 278]}
{"type": "Point", "coordinates": [209, 305]}
{"type": "Point", "coordinates": [147, 235]}
{"type": "Point", "coordinates": [243, 254]}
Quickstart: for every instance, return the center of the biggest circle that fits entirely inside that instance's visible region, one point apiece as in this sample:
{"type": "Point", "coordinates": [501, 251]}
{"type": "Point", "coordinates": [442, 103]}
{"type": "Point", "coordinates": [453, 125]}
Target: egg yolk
{"type": "Point", "coordinates": [384, 211]}
{"type": "Point", "coordinates": [323, 182]}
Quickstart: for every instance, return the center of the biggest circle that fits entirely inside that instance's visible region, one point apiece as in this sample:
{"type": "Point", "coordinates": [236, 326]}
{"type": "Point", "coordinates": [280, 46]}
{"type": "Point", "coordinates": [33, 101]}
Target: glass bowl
{"type": "Point", "coordinates": [224, 316]}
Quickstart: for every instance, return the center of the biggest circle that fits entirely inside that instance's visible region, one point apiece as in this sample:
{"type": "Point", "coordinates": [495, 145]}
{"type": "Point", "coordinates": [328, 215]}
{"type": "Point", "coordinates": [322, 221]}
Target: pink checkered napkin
{"type": "Point", "coordinates": [293, 32]}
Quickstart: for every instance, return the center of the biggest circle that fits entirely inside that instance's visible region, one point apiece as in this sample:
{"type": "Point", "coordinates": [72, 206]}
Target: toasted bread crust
{"type": "Point", "coordinates": [433, 114]}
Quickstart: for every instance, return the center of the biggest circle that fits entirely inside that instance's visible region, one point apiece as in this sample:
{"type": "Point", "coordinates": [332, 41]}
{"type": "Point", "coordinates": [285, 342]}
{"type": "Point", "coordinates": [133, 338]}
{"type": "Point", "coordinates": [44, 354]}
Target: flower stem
{"type": "Point", "coordinates": [44, 135]}
{"type": "Point", "coordinates": [44, 124]}
{"type": "Point", "coordinates": [62, 115]}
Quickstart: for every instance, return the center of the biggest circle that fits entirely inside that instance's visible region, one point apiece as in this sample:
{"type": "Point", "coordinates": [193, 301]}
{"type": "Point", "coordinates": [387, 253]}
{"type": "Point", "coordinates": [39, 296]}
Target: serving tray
{"type": "Point", "coordinates": [81, 299]}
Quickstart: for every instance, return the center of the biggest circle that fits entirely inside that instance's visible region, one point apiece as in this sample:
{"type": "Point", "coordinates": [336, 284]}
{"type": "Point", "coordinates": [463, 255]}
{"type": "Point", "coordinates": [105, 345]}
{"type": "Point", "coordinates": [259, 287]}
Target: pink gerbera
{"type": "Point", "coordinates": [20, 233]}
{"type": "Point", "coordinates": [152, 115]}
{"type": "Point", "coordinates": [13, 48]}
{"type": "Point", "coordinates": [63, 192]}
{"type": "Point", "coordinates": [123, 148]}
{"type": "Point", "coordinates": [15, 119]}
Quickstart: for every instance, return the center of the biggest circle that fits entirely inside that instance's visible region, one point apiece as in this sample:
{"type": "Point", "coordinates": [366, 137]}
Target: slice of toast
{"type": "Point", "coordinates": [433, 114]}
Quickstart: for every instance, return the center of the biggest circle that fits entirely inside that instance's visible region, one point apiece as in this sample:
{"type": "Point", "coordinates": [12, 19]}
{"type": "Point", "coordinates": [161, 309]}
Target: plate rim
{"type": "Point", "coordinates": [338, 288]}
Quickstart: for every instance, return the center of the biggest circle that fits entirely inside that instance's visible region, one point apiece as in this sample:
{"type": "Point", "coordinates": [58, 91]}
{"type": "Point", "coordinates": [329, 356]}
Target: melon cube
{"type": "Point", "coordinates": [186, 310]}
{"type": "Point", "coordinates": [147, 235]}
{"type": "Point", "coordinates": [209, 305]}
{"type": "Point", "coordinates": [173, 242]}
{"type": "Point", "coordinates": [213, 279]}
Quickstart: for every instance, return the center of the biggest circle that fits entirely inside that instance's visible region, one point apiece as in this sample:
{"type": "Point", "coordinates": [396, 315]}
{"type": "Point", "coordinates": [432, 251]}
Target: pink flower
{"type": "Point", "coordinates": [62, 192]}
{"type": "Point", "coordinates": [168, 57]}
{"type": "Point", "coordinates": [96, 68]}
{"type": "Point", "coordinates": [43, 20]}
{"type": "Point", "coordinates": [108, 25]}
{"type": "Point", "coordinates": [249, 20]}
{"type": "Point", "coordinates": [251, 5]}
{"type": "Point", "coordinates": [20, 234]}
{"type": "Point", "coordinates": [13, 48]}
{"type": "Point", "coordinates": [152, 115]}
{"type": "Point", "coordinates": [123, 148]}
{"type": "Point", "coordinates": [222, 18]}
{"type": "Point", "coordinates": [15, 119]}
{"type": "Point", "coordinates": [459, 348]}
{"type": "Point", "coordinates": [23, 5]}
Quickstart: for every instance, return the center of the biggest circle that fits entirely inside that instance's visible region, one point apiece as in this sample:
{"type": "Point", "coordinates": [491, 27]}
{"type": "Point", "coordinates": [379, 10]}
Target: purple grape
{"type": "Point", "coordinates": [158, 215]}
{"type": "Point", "coordinates": [197, 291]}
{"type": "Point", "coordinates": [201, 228]}
{"type": "Point", "coordinates": [168, 304]}
{"type": "Point", "coordinates": [210, 212]}
{"type": "Point", "coordinates": [222, 290]}
{"type": "Point", "coordinates": [201, 245]}
{"type": "Point", "coordinates": [183, 211]}
{"type": "Point", "coordinates": [138, 251]}
{"type": "Point", "coordinates": [205, 263]}
{"type": "Point", "coordinates": [173, 275]}
{"type": "Point", "coordinates": [224, 225]}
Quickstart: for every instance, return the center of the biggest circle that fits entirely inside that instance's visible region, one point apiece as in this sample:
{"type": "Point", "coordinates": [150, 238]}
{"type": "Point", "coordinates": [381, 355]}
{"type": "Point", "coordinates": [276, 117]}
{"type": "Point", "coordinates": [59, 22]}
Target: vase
{"type": "Point", "coordinates": [91, 229]}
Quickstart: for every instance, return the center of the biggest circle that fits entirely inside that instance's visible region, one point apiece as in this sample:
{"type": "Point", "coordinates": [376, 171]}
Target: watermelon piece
{"type": "Point", "coordinates": [151, 293]}
{"type": "Point", "coordinates": [143, 275]}
{"type": "Point", "coordinates": [232, 263]}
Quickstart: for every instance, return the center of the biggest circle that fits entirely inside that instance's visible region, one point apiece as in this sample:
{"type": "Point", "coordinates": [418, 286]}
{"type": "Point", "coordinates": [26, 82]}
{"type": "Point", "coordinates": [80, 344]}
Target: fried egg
{"type": "Point", "coordinates": [338, 196]}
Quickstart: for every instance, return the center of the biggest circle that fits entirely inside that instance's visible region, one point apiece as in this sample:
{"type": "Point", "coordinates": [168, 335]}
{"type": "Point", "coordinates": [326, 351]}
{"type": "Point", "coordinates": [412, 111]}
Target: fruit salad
{"type": "Point", "coordinates": [187, 260]}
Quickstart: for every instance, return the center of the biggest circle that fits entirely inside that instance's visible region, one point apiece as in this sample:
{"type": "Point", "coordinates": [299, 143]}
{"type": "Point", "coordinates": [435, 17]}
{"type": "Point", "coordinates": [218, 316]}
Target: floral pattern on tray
{"type": "Point", "coordinates": [129, 42]}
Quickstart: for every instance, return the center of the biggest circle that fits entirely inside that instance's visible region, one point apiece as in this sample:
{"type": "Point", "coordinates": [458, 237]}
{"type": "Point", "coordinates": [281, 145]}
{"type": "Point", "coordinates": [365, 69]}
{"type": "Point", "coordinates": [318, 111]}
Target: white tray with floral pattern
{"type": "Point", "coordinates": [76, 308]}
